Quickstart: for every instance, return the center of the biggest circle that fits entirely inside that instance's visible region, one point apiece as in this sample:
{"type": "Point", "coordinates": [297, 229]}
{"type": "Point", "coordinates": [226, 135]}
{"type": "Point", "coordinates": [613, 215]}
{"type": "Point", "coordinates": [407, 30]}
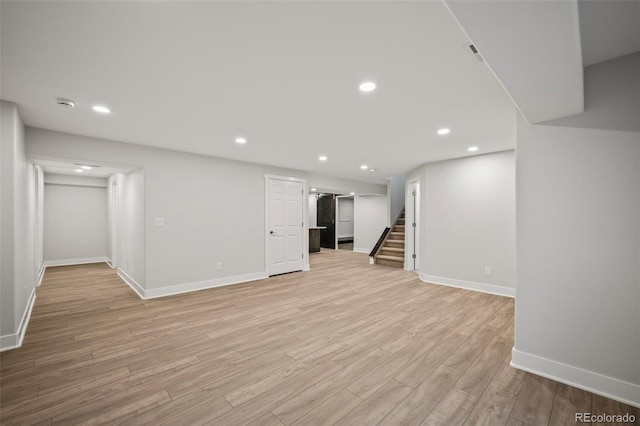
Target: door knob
{"type": "Point", "coordinates": [271, 232]}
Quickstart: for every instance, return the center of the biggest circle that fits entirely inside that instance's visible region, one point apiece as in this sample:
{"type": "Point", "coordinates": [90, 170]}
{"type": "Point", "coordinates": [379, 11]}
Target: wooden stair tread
{"type": "Point", "coordinates": [393, 249]}
{"type": "Point", "coordinates": [387, 257]}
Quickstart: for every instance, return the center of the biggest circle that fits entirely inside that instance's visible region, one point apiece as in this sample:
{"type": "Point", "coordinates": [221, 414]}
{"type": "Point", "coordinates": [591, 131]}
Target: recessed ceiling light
{"type": "Point", "coordinates": [367, 86]}
{"type": "Point", "coordinates": [443, 131]}
{"type": "Point", "coordinates": [372, 170]}
{"type": "Point", "coordinates": [352, 193]}
{"type": "Point", "coordinates": [364, 167]}
{"type": "Point", "coordinates": [101, 109]}
{"type": "Point", "coordinates": [85, 167]}
{"type": "Point", "coordinates": [79, 171]}
{"type": "Point", "coordinates": [313, 189]}
{"type": "Point", "coordinates": [322, 158]}
{"type": "Point", "coordinates": [472, 148]}
{"type": "Point", "coordinates": [241, 140]}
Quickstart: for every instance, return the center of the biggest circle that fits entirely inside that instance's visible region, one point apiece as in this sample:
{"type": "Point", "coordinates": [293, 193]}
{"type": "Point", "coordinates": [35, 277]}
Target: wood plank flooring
{"type": "Point", "coordinates": [347, 343]}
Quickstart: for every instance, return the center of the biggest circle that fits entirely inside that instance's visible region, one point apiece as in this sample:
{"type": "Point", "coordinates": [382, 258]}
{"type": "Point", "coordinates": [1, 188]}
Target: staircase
{"type": "Point", "coordinates": [391, 252]}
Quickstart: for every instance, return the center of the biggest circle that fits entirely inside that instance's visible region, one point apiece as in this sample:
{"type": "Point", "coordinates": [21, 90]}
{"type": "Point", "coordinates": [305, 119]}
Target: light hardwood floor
{"type": "Point", "coordinates": [348, 343]}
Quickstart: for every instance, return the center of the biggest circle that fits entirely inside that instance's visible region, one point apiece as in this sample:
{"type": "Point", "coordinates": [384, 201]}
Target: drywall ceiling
{"type": "Point", "coordinates": [608, 29]}
{"type": "Point", "coordinates": [192, 76]}
{"type": "Point", "coordinates": [534, 49]}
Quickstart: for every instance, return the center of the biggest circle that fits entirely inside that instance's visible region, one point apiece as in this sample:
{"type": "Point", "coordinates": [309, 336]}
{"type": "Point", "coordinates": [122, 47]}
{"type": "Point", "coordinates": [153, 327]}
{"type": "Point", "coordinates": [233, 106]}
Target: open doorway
{"type": "Point", "coordinates": [344, 222]}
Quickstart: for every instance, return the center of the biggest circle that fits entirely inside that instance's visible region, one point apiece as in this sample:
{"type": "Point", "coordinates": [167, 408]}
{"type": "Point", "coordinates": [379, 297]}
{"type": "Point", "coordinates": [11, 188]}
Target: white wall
{"type": "Point", "coordinates": [395, 197]}
{"type": "Point", "coordinates": [75, 219]}
{"type": "Point", "coordinates": [17, 248]}
{"type": "Point", "coordinates": [577, 316]}
{"type": "Point", "coordinates": [468, 222]}
{"type": "Point", "coordinates": [578, 252]}
{"type": "Point", "coordinates": [131, 225]}
{"type": "Point", "coordinates": [344, 219]}
{"type": "Point", "coordinates": [213, 209]}
{"type": "Point", "coordinates": [313, 211]}
{"type": "Point", "coordinates": [370, 219]}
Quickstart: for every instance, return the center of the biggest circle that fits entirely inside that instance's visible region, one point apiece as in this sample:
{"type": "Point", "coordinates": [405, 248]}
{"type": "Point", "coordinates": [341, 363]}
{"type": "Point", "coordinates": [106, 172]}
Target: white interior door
{"type": "Point", "coordinates": [285, 242]}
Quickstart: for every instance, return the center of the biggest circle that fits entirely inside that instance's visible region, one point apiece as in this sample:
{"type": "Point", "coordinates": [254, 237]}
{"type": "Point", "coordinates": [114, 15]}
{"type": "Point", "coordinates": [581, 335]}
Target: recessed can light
{"type": "Point", "coordinates": [85, 167]}
{"type": "Point", "coordinates": [472, 148]}
{"type": "Point", "coordinates": [443, 131]}
{"type": "Point", "coordinates": [101, 109]}
{"type": "Point", "coordinates": [372, 170]}
{"type": "Point", "coordinates": [313, 189]}
{"type": "Point", "coordinates": [79, 170]}
{"type": "Point", "coordinates": [322, 158]}
{"type": "Point", "coordinates": [367, 86]}
{"type": "Point", "coordinates": [352, 193]}
{"type": "Point", "coordinates": [241, 140]}
{"type": "Point", "coordinates": [364, 167]}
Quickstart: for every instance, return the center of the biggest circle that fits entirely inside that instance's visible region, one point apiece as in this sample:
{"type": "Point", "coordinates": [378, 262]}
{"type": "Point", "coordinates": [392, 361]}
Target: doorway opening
{"type": "Point", "coordinates": [344, 222]}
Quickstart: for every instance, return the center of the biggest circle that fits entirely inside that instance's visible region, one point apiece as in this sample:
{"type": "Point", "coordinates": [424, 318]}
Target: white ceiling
{"type": "Point", "coordinates": [534, 49]}
{"type": "Point", "coordinates": [192, 76]}
{"type": "Point", "coordinates": [608, 29]}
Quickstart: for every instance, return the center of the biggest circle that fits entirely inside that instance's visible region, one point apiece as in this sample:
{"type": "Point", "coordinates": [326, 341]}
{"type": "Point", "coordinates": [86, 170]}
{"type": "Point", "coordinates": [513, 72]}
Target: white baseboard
{"type": "Point", "coordinates": [41, 275]}
{"type": "Point", "coordinates": [137, 288]}
{"type": "Point", "coordinates": [609, 387]}
{"type": "Point", "coordinates": [305, 268]}
{"type": "Point", "coordinates": [110, 263]}
{"type": "Point", "coordinates": [361, 250]}
{"type": "Point", "coordinates": [81, 261]}
{"type": "Point", "coordinates": [469, 285]}
{"type": "Point", "coordinates": [14, 341]}
{"type": "Point", "coordinates": [154, 293]}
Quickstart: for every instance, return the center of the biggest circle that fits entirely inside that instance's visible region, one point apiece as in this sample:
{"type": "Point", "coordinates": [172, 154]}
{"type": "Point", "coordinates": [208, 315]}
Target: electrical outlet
{"type": "Point", "coordinates": [219, 266]}
{"type": "Point", "coordinates": [487, 271]}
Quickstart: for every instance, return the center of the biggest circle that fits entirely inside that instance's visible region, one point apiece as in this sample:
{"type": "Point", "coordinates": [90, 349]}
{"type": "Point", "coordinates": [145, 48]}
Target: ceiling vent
{"type": "Point", "coordinates": [474, 52]}
{"type": "Point", "coordinates": [67, 103]}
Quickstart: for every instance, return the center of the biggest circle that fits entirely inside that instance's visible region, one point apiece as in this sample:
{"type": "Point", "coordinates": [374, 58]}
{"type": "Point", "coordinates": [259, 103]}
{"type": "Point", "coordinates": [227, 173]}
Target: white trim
{"type": "Point", "coordinates": [173, 290]}
{"type": "Point", "coordinates": [41, 275]}
{"type": "Point", "coordinates": [305, 219]}
{"type": "Point", "coordinates": [306, 267]}
{"type": "Point", "coordinates": [14, 341]}
{"type": "Point", "coordinates": [137, 288]}
{"type": "Point", "coordinates": [407, 198]}
{"type": "Point", "coordinates": [609, 387]}
{"type": "Point", "coordinates": [361, 250]}
{"type": "Point", "coordinates": [110, 263]}
{"type": "Point", "coordinates": [82, 261]}
{"type": "Point", "coordinates": [469, 285]}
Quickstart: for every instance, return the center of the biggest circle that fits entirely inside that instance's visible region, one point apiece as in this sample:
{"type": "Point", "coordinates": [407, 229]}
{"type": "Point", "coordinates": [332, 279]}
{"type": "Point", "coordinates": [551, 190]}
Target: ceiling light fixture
{"type": "Point", "coordinates": [79, 171]}
{"type": "Point", "coordinates": [364, 167]}
{"type": "Point", "coordinates": [352, 193]}
{"type": "Point", "coordinates": [372, 170]}
{"type": "Point", "coordinates": [367, 86]}
{"type": "Point", "coordinates": [241, 140]}
{"type": "Point", "coordinates": [86, 167]}
{"type": "Point", "coordinates": [443, 131]}
{"type": "Point", "coordinates": [313, 189]}
{"type": "Point", "coordinates": [322, 158]}
{"type": "Point", "coordinates": [101, 109]}
{"type": "Point", "coordinates": [472, 148]}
